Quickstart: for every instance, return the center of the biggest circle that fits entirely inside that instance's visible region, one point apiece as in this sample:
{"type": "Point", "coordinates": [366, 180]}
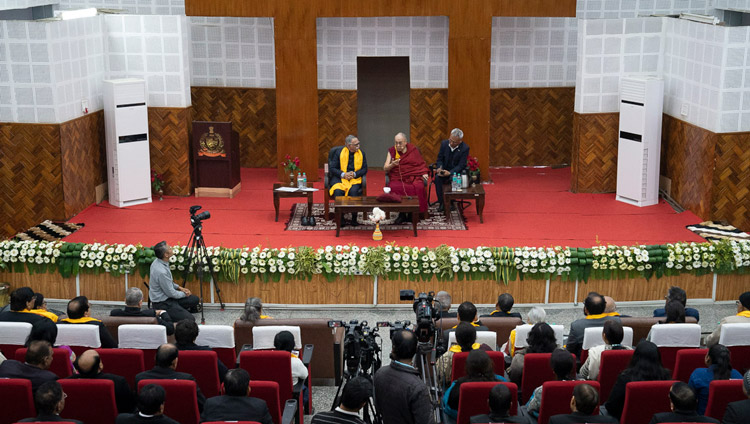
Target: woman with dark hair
{"type": "Point", "coordinates": [719, 368]}
{"type": "Point", "coordinates": [47, 330]}
{"type": "Point", "coordinates": [253, 310]}
{"type": "Point", "coordinates": [478, 368]}
{"type": "Point", "coordinates": [40, 308]}
{"type": "Point", "coordinates": [541, 339]}
{"type": "Point", "coordinates": [675, 312]}
{"type": "Point", "coordinates": [466, 337]}
{"type": "Point", "coordinates": [563, 365]}
{"type": "Point", "coordinates": [644, 366]}
{"type": "Point", "coordinates": [612, 335]}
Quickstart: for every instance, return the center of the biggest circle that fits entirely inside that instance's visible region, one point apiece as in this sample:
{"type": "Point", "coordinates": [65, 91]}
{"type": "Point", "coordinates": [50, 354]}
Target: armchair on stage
{"type": "Point", "coordinates": [327, 181]}
{"type": "Point", "coordinates": [216, 159]}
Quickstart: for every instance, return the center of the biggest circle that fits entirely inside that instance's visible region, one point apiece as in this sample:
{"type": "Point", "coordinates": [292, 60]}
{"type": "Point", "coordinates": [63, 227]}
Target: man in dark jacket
{"type": "Point", "coordinates": [21, 302]}
{"type": "Point", "coordinates": [678, 294]}
{"type": "Point", "coordinates": [503, 306]}
{"type": "Point", "coordinates": [37, 361]}
{"type": "Point", "coordinates": [347, 165]}
{"type": "Point", "coordinates": [401, 396]}
{"type": "Point", "coordinates": [236, 405]}
{"type": "Point", "coordinates": [737, 412]}
{"type": "Point", "coordinates": [133, 304]}
{"type": "Point", "coordinates": [185, 334]}
{"type": "Point", "coordinates": [49, 401]}
{"type": "Point", "coordinates": [593, 308]}
{"type": "Point", "coordinates": [150, 408]}
{"type": "Point", "coordinates": [79, 312]}
{"type": "Point", "coordinates": [89, 366]}
{"type": "Point", "coordinates": [451, 159]}
{"type": "Point", "coordinates": [467, 312]}
{"type": "Point", "coordinates": [684, 404]}
{"type": "Point", "coordinates": [499, 402]}
{"type": "Point", "coordinates": [582, 405]}
{"type": "Point", "coordinates": [164, 369]}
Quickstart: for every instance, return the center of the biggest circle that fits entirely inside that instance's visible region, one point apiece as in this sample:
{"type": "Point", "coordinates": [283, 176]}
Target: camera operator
{"type": "Point", "coordinates": [164, 293]}
{"type": "Point", "coordinates": [467, 312]}
{"type": "Point", "coordinates": [401, 397]}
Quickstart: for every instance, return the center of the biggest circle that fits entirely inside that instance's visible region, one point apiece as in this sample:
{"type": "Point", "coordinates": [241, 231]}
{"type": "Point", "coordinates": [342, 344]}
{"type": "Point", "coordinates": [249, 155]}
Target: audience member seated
{"type": "Point", "coordinates": [236, 405]}
{"type": "Point", "coordinates": [253, 310]}
{"type": "Point", "coordinates": [467, 312]}
{"type": "Point", "coordinates": [582, 406]}
{"type": "Point", "coordinates": [346, 166]}
{"type": "Point", "coordinates": [354, 396]}
{"type": "Point", "coordinates": [479, 367]}
{"type": "Point", "coordinates": [21, 304]}
{"type": "Point", "coordinates": [133, 308]}
{"type": "Point", "coordinates": [445, 304]}
{"type": "Point", "coordinates": [164, 293]}
{"type": "Point", "coordinates": [675, 314]}
{"type": "Point", "coordinates": [284, 340]}
{"type": "Point", "coordinates": [503, 306]}
{"type": "Point", "coordinates": [683, 403]}
{"type": "Point", "coordinates": [79, 312]}
{"type": "Point", "coordinates": [595, 317]}
{"type": "Point", "coordinates": [737, 412]}
{"type": "Point", "coordinates": [466, 337]}
{"type": "Point", "coordinates": [89, 366]}
{"type": "Point", "coordinates": [536, 315]}
{"type": "Point", "coordinates": [612, 334]}
{"type": "Point", "coordinates": [644, 366]}
{"type": "Point", "coordinates": [49, 400]}
{"type": "Point", "coordinates": [678, 294]}
{"type": "Point", "coordinates": [611, 307]}
{"type": "Point", "coordinates": [164, 369]}
{"type": "Point", "coordinates": [185, 333]}
{"type": "Point", "coordinates": [541, 339]}
{"type": "Point", "coordinates": [46, 330]}
{"type": "Point", "coordinates": [37, 361]}
{"type": "Point", "coordinates": [499, 402]}
{"type": "Point", "coordinates": [719, 368]}
{"type": "Point", "coordinates": [150, 408]}
{"type": "Point", "coordinates": [400, 394]}
{"type": "Point", "coordinates": [40, 308]}
{"type": "Point", "coordinates": [407, 173]}
{"type": "Point", "coordinates": [563, 365]}
{"type": "Point", "coordinates": [743, 316]}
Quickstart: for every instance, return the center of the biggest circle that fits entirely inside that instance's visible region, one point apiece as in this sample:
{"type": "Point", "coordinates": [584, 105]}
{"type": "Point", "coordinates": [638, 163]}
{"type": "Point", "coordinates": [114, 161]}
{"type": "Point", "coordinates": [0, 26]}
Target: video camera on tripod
{"type": "Point", "coordinates": [395, 326]}
{"type": "Point", "coordinates": [361, 350]}
{"type": "Point", "coordinates": [197, 220]}
{"type": "Point", "coordinates": [426, 312]}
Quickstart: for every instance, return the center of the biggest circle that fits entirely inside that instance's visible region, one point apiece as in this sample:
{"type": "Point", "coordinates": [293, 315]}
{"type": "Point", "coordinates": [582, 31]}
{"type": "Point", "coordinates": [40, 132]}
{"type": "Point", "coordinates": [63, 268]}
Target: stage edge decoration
{"type": "Point", "coordinates": [389, 261]}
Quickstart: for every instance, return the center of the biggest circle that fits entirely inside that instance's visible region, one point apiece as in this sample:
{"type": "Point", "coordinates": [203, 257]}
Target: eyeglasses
{"type": "Point", "coordinates": [737, 302]}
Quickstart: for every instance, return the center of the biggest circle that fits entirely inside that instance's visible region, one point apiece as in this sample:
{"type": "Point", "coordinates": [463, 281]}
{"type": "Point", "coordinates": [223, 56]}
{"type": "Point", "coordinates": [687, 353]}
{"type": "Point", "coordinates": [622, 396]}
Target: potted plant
{"type": "Point", "coordinates": [290, 167]}
{"type": "Point", "coordinates": [473, 164]}
{"type": "Point", "coordinates": [157, 184]}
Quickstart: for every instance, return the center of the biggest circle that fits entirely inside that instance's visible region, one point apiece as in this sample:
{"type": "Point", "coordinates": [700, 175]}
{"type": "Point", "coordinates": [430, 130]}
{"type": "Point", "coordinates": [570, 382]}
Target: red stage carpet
{"type": "Point", "coordinates": [524, 207]}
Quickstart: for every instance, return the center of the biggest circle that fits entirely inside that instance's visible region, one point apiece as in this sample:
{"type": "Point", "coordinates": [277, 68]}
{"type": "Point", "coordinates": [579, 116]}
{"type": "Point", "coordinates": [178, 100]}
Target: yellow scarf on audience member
{"type": "Point", "coordinates": [42, 312]}
{"type": "Point", "coordinates": [745, 314]}
{"type": "Point", "coordinates": [83, 320]}
{"type": "Point", "coordinates": [597, 316]}
{"type": "Point", "coordinates": [472, 323]}
{"type": "Point", "coordinates": [457, 349]}
{"type": "Point", "coordinates": [345, 185]}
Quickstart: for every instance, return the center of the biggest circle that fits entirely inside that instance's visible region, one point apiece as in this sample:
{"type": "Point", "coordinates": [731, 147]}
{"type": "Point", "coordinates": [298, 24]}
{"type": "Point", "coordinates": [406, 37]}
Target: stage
{"type": "Point", "coordinates": [524, 207]}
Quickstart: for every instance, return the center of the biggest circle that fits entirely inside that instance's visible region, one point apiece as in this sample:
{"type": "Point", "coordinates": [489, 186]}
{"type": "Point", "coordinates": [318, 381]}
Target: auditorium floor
{"type": "Point", "coordinates": [524, 207]}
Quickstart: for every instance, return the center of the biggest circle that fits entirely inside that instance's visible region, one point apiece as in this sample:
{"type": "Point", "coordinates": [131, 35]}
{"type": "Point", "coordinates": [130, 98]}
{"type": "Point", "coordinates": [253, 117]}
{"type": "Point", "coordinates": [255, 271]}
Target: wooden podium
{"type": "Point", "coordinates": [216, 159]}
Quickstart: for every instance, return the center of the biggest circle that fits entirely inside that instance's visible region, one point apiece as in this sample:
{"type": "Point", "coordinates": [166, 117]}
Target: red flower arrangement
{"type": "Point", "coordinates": [473, 163]}
{"type": "Point", "coordinates": [290, 165]}
{"type": "Point", "coordinates": [157, 182]}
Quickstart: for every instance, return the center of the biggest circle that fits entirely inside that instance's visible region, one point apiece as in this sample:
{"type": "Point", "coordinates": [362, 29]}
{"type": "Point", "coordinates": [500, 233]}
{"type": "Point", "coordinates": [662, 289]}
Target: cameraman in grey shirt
{"type": "Point", "coordinates": [163, 291]}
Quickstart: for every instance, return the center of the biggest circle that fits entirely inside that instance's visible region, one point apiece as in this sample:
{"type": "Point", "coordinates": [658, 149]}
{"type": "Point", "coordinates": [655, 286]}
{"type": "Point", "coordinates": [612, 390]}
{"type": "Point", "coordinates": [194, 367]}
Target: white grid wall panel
{"type": "Point", "coordinates": [23, 4]}
{"type": "Point", "coordinates": [232, 52]}
{"type": "Point", "coordinates": [423, 39]}
{"type": "Point", "coordinates": [533, 52]}
{"type": "Point", "coordinates": [135, 7]}
{"type": "Point", "coordinates": [733, 4]}
{"type": "Point", "coordinates": [609, 49]}
{"type": "Point", "coordinates": [735, 93]}
{"type": "Point", "coordinates": [150, 47]}
{"type": "Point", "coordinates": [26, 86]}
{"type": "Point", "coordinates": [612, 9]}
{"type": "Point", "coordinates": [77, 48]}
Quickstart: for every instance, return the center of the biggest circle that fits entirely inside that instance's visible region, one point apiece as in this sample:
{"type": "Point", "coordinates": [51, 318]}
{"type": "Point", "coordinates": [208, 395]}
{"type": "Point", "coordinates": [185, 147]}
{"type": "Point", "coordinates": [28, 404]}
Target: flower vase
{"type": "Point", "coordinates": [377, 235]}
{"type": "Point", "coordinates": [161, 194]}
{"type": "Point", "coordinates": [474, 178]}
{"type": "Point", "coordinates": [292, 179]}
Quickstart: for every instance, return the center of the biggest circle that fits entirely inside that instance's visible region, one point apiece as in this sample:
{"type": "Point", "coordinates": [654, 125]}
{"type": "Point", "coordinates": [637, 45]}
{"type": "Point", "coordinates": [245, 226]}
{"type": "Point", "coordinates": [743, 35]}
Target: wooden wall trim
{"type": "Point", "coordinates": [84, 160]}
{"type": "Point", "coordinates": [594, 155]}
{"type": "Point", "coordinates": [169, 135]}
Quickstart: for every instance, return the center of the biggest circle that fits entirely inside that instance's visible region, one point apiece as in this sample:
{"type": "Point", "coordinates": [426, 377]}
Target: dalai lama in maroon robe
{"type": "Point", "coordinates": [407, 172]}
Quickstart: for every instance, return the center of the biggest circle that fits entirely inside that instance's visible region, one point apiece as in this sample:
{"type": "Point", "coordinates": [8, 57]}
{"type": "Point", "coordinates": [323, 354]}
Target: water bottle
{"type": "Point", "coordinates": [299, 180]}
{"type": "Point", "coordinates": [304, 180]}
{"type": "Point", "coordinates": [464, 180]}
{"type": "Point", "coordinates": [454, 185]}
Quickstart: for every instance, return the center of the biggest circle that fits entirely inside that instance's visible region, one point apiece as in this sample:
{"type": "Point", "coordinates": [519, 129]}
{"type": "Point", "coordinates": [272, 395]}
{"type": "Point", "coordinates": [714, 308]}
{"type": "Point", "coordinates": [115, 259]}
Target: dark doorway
{"type": "Point", "coordinates": [382, 104]}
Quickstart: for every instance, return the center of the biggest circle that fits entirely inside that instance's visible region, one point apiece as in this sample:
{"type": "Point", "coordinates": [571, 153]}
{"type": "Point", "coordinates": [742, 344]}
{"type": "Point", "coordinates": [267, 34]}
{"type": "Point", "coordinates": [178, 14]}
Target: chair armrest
{"type": "Point", "coordinates": [307, 354]}
{"type": "Point", "coordinates": [289, 412]}
{"type": "Point", "coordinates": [297, 388]}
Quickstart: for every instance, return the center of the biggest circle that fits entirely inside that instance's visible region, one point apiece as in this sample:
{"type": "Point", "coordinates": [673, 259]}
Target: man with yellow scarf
{"type": "Point", "coordinates": [743, 316]}
{"type": "Point", "coordinates": [346, 167]}
{"type": "Point", "coordinates": [79, 312]}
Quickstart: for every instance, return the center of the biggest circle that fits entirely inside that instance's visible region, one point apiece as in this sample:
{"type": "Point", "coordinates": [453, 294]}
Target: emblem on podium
{"type": "Point", "coordinates": [211, 144]}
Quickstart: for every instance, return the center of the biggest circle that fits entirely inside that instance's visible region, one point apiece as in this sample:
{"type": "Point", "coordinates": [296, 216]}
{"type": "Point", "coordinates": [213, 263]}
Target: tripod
{"type": "Point", "coordinates": [366, 357]}
{"type": "Point", "coordinates": [426, 359]}
{"type": "Point", "coordinates": [197, 257]}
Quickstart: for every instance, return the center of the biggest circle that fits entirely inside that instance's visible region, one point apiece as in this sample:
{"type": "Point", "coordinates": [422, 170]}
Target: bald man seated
{"type": "Point", "coordinates": [89, 366]}
{"type": "Point", "coordinates": [164, 369]}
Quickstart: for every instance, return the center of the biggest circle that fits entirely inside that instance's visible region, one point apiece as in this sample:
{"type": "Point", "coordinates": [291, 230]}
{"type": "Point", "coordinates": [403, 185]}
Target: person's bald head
{"type": "Point", "coordinates": [88, 363]}
{"type": "Point", "coordinates": [610, 305]}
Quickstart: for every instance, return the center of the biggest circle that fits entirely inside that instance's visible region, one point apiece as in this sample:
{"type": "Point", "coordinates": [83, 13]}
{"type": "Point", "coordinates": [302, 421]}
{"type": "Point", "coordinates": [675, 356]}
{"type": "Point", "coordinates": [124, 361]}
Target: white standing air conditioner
{"type": "Point", "coordinates": [639, 147]}
{"type": "Point", "coordinates": [126, 127]}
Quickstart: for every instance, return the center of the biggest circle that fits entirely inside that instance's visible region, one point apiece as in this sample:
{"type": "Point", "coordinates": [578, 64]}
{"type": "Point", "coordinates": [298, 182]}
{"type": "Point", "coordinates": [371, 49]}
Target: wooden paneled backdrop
{"type": "Point", "coordinates": [594, 155]}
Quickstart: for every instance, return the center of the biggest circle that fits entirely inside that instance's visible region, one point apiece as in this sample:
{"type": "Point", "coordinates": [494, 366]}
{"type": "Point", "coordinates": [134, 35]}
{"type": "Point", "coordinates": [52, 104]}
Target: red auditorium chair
{"type": "Point", "coordinates": [612, 363]}
{"type": "Point", "coordinates": [643, 399]}
{"type": "Point", "coordinates": [671, 338]}
{"type": "Point", "coordinates": [736, 337]}
{"type": "Point", "coordinates": [556, 398]}
{"type": "Point", "coordinates": [79, 338]}
{"type": "Point", "coordinates": [13, 336]}
{"type": "Point", "coordinates": [720, 394]}
{"type": "Point", "coordinates": [145, 337]}
{"type": "Point", "coordinates": [458, 369]}
{"type": "Point", "coordinates": [60, 361]}
{"type": "Point", "coordinates": [269, 392]}
{"type": "Point", "coordinates": [472, 399]}
{"type": "Point", "coordinates": [90, 401]}
{"type": "Point", "coordinates": [536, 370]}
{"type": "Point", "coordinates": [230, 422]}
{"type": "Point", "coordinates": [181, 404]}
{"type": "Point", "coordinates": [221, 340]}
{"type": "Point", "coordinates": [124, 362]}
{"type": "Point", "coordinates": [201, 364]}
{"type": "Point", "coordinates": [687, 361]}
{"type": "Point", "coordinates": [273, 365]}
{"type": "Point", "coordinates": [16, 400]}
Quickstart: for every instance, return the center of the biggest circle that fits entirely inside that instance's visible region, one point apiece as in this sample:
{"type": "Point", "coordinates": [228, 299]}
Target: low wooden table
{"type": "Point", "coordinates": [277, 195]}
{"type": "Point", "coordinates": [365, 204]}
{"type": "Point", "coordinates": [476, 193]}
